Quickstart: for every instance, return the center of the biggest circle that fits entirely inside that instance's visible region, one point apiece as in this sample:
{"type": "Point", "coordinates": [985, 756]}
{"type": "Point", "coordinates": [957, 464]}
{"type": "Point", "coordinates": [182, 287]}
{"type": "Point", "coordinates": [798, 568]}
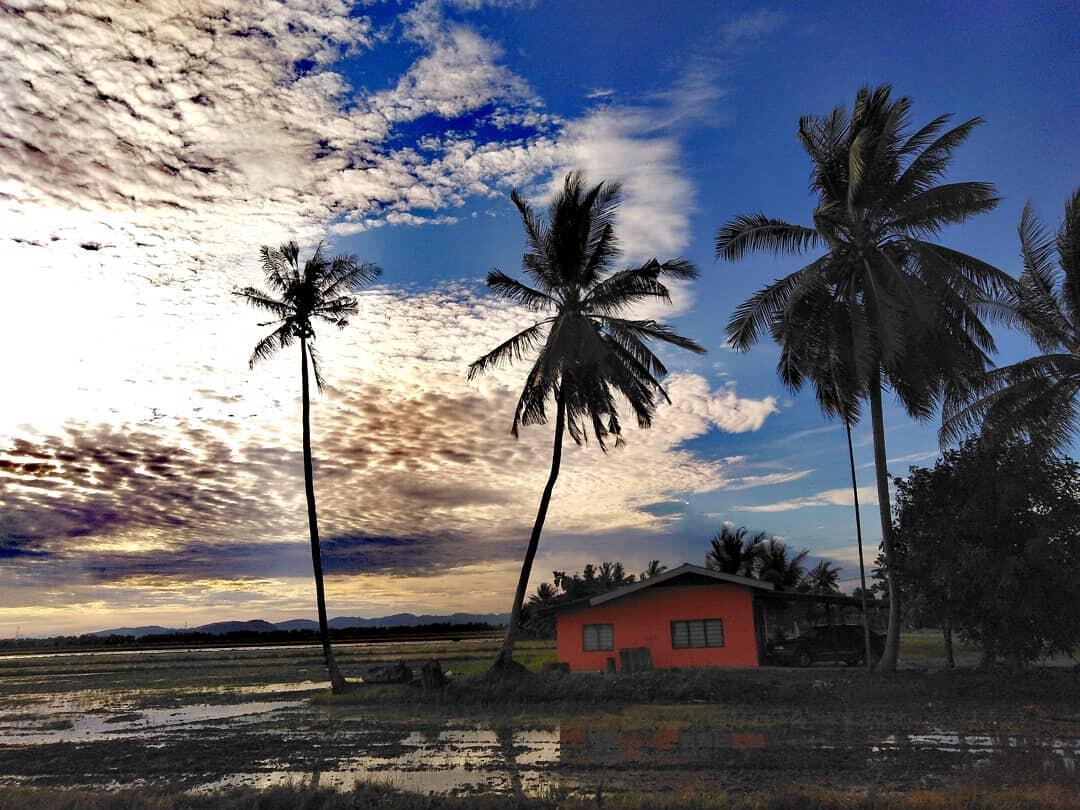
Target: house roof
{"type": "Point", "coordinates": [684, 570]}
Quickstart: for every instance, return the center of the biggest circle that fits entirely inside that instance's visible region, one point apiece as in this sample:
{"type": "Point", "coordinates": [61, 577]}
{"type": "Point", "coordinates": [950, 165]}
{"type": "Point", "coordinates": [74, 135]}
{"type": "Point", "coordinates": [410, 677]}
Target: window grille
{"type": "Point", "coordinates": [697, 633]}
{"type": "Point", "coordinates": [598, 637]}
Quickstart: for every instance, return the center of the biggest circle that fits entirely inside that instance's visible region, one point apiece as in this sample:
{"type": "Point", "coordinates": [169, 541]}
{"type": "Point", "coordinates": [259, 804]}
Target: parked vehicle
{"type": "Point", "coordinates": [833, 644]}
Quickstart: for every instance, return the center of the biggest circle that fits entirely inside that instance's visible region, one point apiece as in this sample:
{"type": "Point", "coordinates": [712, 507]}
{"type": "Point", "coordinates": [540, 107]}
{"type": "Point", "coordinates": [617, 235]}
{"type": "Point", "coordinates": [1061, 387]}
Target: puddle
{"type": "Point", "coordinates": [453, 761]}
{"type": "Point", "coordinates": [84, 728]}
{"type": "Point", "coordinates": [981, 750]}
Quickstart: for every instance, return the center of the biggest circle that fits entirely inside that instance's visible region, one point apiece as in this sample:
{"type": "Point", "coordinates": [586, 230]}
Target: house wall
{"type": "Point", "coordinates": [643, 619]}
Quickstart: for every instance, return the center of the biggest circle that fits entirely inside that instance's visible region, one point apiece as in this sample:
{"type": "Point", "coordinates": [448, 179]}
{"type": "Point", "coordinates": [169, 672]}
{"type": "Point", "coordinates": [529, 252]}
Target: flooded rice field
{"type": "Point", "coordinates": [204, 720]}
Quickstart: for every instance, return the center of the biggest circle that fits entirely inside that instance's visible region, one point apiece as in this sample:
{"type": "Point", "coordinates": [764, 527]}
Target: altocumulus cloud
{"type": "Point", "coordinates": [148, 150]}
{"type": "Point", "coordinates": [406, 449]}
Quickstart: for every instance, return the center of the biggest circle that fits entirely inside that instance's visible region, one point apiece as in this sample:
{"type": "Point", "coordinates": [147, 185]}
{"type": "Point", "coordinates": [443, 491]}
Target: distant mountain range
{"type": "Point", "coordinates": [338, 623]}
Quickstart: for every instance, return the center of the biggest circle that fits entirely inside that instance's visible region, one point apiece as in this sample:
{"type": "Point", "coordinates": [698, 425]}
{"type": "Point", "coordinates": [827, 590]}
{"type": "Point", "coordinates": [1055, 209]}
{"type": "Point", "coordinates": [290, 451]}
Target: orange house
{"type": "Point", "coordinates": [687, 617]}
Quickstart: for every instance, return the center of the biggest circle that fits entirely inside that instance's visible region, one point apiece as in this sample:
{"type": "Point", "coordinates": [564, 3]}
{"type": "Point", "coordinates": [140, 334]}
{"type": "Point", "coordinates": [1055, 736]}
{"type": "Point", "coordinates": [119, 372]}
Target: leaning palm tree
{"type": "Point", "coordinates": [1035, 399]}
{"type": "Point", "coordinates": [298, 297]}
{"type": "Point", "coordinates": [586, 351]}
{"type": "Point", "coordinates": [905, 309]}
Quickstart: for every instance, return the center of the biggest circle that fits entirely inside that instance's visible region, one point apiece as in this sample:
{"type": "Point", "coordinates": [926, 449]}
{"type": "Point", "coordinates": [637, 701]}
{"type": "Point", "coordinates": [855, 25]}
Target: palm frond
{"type": "Point", "coordinates": [925, 135]}
{"type": "Point", "coordinates": [280, 338]}
{"type": "Point", "coordinates": [316, 366]}
{"type": "Point", "coordinates": [280, 274]}
{"type": "Point", "coordinates": [1068, 246]}
{"type": "Point", "coordinates": [539, 265]}
{"type": "Point", "coordinates": [932, 162]}
{"type": "Point", "coordinates": [509, 351]}
{"type": "Point", "coordinates": [929, 211]}
{"type": "Point", "coordinates": [510, 289]}
{"type": "Point", "coordinates": [260, 300]}
{"type": "Point", "coordinates": [753, 232]}
{"type": "Point", "coordinates": [620, 291]}
{"type": "Point", "coordinates": [651, 330]}
{"type": "Point", "coordinates": [757, 313]}
{"type": "Point", "coordinates": [346, 274]}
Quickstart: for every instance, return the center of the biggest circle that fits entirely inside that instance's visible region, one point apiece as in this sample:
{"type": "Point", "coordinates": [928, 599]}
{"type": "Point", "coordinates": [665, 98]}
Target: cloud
{"type": "Point", "coordinates": [406, 450]}
{"type": "Point", "coordinates": [830, 497]}
{"type": "Point", "coordinates": [750, 28]}
{"type": "Point", "coordinates": [135, 191]}
{"type": "Point", "coordinates": [621, 144]}
{"type": "Point", "coordinates": [767, 480]}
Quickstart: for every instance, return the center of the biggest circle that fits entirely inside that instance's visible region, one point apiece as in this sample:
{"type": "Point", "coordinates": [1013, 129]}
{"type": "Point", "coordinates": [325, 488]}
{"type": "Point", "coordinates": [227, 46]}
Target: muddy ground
{"type": "Point", "coordinates": [202, 720]}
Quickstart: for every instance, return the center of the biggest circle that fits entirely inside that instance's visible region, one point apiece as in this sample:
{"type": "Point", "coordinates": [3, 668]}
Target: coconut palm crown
{"type": "Point", "coordinates": [297, 298]}
{"type": "Point", "coordinates": [885, 304]}
{"type": "Point", "coordinates": [1035, 399]}
{"type": "Point", "coordinates": [586, 353]}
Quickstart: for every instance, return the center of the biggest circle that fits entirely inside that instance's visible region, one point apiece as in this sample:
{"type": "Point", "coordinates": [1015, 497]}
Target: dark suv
{"type": "Point", "coordinates": [835, 644]}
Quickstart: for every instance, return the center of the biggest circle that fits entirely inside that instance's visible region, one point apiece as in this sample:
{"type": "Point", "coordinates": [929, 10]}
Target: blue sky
{"type": "Point", "coordinates": [175, 145]}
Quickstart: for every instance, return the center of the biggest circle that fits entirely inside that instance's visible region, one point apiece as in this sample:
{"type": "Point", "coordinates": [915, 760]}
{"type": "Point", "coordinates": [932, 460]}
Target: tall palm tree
{"type": "Point", "coordinates": [1035, 399]}
{"type": "Point", "coordinates": [816, 345]}
{"type": "Point", "coordinates": [296, 299]}
{"type": "Point", "coordinates": [906, 310]}
{"type": "Point", "coordinates": [586, 351]}
{"type": "Point", "coordinates": [731, 552]}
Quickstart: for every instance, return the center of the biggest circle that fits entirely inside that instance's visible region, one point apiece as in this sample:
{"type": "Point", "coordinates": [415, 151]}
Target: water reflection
{"type": "Point", "coordinates": [39, 729]}
{"type": "Point", "coordinates": [453, 761]}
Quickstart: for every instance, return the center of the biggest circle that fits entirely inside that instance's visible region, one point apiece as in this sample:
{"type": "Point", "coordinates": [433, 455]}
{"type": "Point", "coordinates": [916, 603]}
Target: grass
{"type": "Point", "coordinates": [962, 798]}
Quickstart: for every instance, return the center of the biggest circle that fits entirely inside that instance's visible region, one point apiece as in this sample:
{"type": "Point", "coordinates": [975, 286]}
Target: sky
{"type": "Point", "coordinates": [147, 151]}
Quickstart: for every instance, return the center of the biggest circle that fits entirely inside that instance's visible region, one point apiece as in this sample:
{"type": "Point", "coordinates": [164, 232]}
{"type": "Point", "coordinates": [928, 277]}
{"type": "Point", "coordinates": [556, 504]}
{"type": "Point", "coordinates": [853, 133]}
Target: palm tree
{"type": "Point", "coordinates": [905, 310]}
{"type": "Point", "coordinates": [774, 564]}
{"type": "Point", "coordinates": [816, 345]}
{"type": "Point", "coordinates": [823, 578]}
{"type": "Point", "coordinates": [1035, 399]}
{"type": "Point", "coordinates": [297, 298]}
{"type": "Point", "coordinates": [654, 569]}
{"type": "Point", "coordinates": [613, 575]}
{"type": "Point", "coordinates": [732, 553]}
{"type": "Point", "coordinates": [586, 351]}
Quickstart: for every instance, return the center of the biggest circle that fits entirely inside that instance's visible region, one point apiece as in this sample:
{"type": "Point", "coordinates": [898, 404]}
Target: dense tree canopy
{"type": "Point", "coordinates": [988, 540]}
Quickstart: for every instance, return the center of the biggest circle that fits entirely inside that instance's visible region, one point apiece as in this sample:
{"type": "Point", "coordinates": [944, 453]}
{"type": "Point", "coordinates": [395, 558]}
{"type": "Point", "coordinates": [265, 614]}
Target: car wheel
{"type": "Point", "coordinates": [803, 658]}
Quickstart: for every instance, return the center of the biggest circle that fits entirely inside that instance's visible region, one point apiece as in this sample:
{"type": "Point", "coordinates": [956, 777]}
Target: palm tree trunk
{"type": "Point", "coordinates": [505, 657]}
{"type": "Point", "coordinates": [892, 636]}
{"type": "Point", "coordinates": [858, 538]}
{"type": "Point", "coordinates": [337, 681]}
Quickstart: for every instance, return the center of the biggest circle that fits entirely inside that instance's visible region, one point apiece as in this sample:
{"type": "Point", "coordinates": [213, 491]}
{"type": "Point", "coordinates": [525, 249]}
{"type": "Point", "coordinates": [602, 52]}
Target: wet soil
{"type": "Point", "coordinates": [210, 720]}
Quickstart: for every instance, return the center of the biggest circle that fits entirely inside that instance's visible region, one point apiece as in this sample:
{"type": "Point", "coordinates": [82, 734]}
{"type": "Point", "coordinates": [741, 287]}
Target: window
{"type": "Point", "coordinates": [697, 633]}
{"type": "Point", "coordinates": [598, 637]}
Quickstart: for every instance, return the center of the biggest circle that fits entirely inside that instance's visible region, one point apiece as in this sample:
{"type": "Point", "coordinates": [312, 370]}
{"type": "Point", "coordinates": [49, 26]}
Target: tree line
{"type": "Point", "coordinates": [882, 306]}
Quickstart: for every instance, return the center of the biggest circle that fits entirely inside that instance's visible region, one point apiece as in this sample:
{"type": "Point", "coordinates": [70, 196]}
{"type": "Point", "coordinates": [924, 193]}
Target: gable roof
{"type": "Point", "coordinates": [686, 569]}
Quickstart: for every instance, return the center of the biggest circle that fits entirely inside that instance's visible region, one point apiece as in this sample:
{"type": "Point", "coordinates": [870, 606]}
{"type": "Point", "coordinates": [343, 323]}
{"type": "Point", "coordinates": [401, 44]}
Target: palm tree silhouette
{"type": "Point", "coordinates": [1035, 399]}
{"type": "Point", "coordinates": [298, 297]}
{"type": "Point", "coordinates": [817, 346]}
{"type": "Point", "coordinates": [775, 564]}
{"type": "Point", "coordinates": [731, 552]}
{"type": "Point", "coordinates": [906, 310]}
{"type": "Point", "coordinates": [822, 578]}
{"type": "Point", "coordinates": [586, 352]}
{"type": "Point", "coordinates": [654, 569]}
